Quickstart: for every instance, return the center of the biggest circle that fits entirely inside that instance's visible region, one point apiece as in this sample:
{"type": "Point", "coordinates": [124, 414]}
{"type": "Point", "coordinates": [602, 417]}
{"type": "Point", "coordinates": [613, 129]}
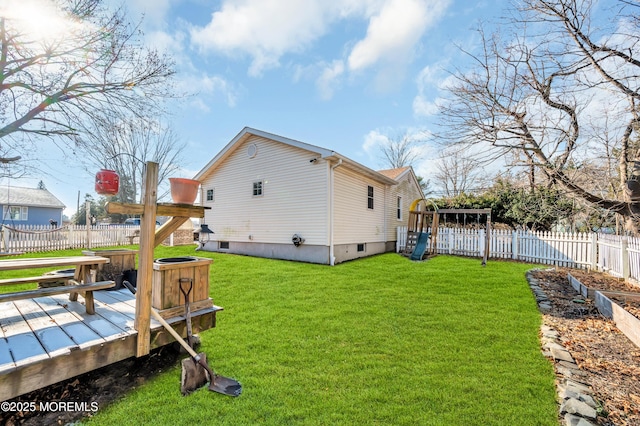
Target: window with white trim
{"type": "Point", "coordinates": [15, 212]}
{"type": "Point", "coordinates": [210, 194]}
{"type": "Point", "coordinates": [399, 208]}
{"type": "Point", "coordinates": [258, 188]}
{"type": "Point", "coordinates": [370, 197]}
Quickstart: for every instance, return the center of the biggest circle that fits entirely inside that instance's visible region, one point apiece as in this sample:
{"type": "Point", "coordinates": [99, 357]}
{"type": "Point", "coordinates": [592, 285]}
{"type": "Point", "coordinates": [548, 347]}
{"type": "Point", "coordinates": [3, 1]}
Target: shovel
{"type": "Point", "coordinates": [187, 309]}
{"type": "Point", "coordinates": [195, 370]}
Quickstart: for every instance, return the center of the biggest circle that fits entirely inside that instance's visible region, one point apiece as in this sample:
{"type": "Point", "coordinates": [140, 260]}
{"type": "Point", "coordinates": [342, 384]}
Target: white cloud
{"type": "Point", "coordinates": [154, 11]}
{"type": "Point", "coordinates": [263, 29]}
{"type": "Point", "coordinates": [165, 42]}
{"type": "Point", "coordinates": [394, 31]}
{"type": "Point", "coordinates": [373, 141]}
{"type": "Point", "coordinates": [266, 30]}
{"type": "Point", "coordinates": [430, 82]}
{"type": "Point", "coordinates": [423, 107]}
{"type": "Point", "coordinates": [218, 86]}
{"type": "Point", "coordinates": [329, 80]}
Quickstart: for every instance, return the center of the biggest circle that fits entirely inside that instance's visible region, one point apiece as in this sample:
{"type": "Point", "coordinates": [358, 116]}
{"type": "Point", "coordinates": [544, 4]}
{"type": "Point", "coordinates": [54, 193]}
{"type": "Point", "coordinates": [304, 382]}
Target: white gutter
{"type": "Point", "coordinates": [332, 258]}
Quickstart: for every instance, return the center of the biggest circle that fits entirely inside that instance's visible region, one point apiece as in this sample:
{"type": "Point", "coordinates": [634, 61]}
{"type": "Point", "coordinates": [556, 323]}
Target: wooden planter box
{"type": "Point", "coordinates": [120, 260]}
{"type": "Point", "coordinates": [627, 323]}
{"type": "Point", "coordinates": [166, 295]}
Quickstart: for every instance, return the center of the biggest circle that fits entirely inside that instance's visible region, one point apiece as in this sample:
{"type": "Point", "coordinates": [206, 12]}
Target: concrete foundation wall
{"type": "Point", "coordinates": [304, 253]}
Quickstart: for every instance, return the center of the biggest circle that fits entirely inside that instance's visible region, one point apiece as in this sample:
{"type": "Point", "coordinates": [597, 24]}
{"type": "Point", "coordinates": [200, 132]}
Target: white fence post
{"type": "Point", "coordinates": [514, 245]}
{"type": "Point", "coordinates": [624, 257]}
{"type": "Point", "coordinates": [594, 251]}
{"type": "Point", "coordinates": [5, 238]}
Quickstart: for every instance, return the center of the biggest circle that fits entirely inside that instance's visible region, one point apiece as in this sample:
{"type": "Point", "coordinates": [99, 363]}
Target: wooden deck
{"type": "Point", "coordinates": [50, 339]}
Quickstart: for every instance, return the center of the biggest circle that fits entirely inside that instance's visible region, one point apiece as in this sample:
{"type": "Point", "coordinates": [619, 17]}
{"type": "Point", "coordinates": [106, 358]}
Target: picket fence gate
{"type": "Point", "coordinates": [615, 254]}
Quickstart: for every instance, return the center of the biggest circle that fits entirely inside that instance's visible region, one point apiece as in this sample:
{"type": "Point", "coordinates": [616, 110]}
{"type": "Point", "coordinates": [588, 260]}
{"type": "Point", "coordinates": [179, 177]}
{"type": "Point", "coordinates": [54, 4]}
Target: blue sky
{"type": "Point", "coordinates": [338, 74]}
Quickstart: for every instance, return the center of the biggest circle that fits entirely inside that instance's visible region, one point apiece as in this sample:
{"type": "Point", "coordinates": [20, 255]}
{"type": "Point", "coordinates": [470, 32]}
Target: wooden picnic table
{"type": "Point", "coordinates": [85, 269]}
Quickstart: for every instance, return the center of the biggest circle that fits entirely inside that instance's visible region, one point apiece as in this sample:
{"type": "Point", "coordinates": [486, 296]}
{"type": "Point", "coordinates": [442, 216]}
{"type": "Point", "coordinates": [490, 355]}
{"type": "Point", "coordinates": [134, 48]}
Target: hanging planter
{"type": "Point", "coordinates": [107, 182]}
{"type": "Point", "coordinates": [184, 191]}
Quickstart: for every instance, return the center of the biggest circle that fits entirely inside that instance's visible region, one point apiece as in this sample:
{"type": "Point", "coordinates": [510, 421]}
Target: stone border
{"type": "Point", "coordinates": [575, 395]}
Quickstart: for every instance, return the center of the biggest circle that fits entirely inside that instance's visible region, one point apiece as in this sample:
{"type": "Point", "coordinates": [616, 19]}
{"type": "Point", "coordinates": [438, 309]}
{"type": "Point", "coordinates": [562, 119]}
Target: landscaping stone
{"type": "Point", "coordinates": [575, 397]}
{"type": "Point", "coordinates": [545, 306]}
{"type": "Point", "coordinates": [574, 387]}
{"type": "Point", "coordinates": [561, 355]}
{"type": "Point", "coordinates": [573, 420]}
{"type": "Point", "coordinates": [580, 408]}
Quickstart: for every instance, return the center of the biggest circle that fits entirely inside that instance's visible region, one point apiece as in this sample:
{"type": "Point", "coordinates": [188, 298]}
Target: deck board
{"type": "Point", "coordinates": [6, 360]}
{"type": "Point", "coordinates": [49, 339]}
{"type": "Point", "coordinates": [52, 338]}
{"type": "Point", "coordinates": [106, 322]}
{"type": "Point", "coordinates": [23, 343]}
{"type": "Point", "coordinates": [123, 301]}
{"type": "Point", "coordinates": [79, 332]}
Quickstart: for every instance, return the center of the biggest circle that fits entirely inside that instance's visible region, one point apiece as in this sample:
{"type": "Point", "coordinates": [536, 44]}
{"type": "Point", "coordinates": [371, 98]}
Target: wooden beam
{"type": "Point", "coordinates": [145, 260]}
{"type": "Point", "coordinates": [468, 211]}
{"type": "Point", "coordinates": [163, 209]}
{"type": "Point", "coordinates": [169, 227]}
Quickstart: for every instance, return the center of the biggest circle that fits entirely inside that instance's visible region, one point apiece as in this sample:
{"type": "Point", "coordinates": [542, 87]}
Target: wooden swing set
{"type": "Point", "coordinates": [423, 224]}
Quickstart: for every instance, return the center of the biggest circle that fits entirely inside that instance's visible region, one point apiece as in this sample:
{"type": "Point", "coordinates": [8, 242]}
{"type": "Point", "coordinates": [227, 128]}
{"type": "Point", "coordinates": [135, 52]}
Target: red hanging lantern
{"type": "Point", "coordinates": [107, 182]}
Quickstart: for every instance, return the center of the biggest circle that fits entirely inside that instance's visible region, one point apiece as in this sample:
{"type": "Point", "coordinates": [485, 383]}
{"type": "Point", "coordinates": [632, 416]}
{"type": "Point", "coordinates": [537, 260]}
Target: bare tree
{"type": "Point", "coordinates": [84, 64]}
{"type": "Point", "coordinates": [398, 151]}
{"type": "Point", "coordinates": [125, 146]}
{"type": "Point", "coordinates": [457, 174]}
{"type": "Point", "coordinates": [543, 90]}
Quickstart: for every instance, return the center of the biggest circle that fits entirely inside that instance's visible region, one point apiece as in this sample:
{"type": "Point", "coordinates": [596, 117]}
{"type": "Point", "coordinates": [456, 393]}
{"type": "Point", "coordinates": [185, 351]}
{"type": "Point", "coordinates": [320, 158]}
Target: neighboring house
{"type": "Point", "coordinates": [270, 196]}
{"type": "Point", "coordinates": [29, 206]}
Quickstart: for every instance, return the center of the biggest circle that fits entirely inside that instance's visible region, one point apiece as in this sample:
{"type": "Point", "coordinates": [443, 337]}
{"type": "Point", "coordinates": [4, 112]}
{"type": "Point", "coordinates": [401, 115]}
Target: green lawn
{"type": "Point", "coordinates": [380, 340]}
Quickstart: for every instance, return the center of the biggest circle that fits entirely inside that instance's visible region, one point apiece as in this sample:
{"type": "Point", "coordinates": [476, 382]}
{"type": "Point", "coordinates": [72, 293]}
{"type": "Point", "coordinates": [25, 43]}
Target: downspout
{"type": "Point", "coordinates": [332, 258]}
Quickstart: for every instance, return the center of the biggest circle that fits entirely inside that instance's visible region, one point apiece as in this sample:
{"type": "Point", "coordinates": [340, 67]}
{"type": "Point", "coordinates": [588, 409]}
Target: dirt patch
{"type": "Point", "coordinates": [93, 390]}
{"type": "Point", "coordinates": [609, 359]}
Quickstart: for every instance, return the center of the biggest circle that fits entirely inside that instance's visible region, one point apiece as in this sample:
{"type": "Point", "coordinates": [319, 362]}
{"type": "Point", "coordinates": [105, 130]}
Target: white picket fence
{"type": "Point", "coordinates": [32, 238]}
{"type": "Point", "coordinates": [614, 254]}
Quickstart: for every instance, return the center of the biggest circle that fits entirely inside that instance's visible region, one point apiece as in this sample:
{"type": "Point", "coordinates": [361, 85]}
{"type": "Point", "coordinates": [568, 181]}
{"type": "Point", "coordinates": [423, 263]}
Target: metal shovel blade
{"type": "Point", "coordinates": [196, 373]}
{"type": "Point", "coordinates": [194, 376]}
{"type": "Point", "coordinates": [225, 385]}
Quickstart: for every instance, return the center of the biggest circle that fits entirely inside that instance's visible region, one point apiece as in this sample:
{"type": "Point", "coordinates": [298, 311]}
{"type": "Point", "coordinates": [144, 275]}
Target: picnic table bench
{"type": "Point", "coordinates": [82, 281]}
{"type": "Point", "coordinates": [49, 279]}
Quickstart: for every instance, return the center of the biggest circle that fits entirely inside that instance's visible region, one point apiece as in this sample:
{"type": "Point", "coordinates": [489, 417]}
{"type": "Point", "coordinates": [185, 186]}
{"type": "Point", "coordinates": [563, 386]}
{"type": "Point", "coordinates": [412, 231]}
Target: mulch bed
{"type": "Point", "coordinates": [610, 360]}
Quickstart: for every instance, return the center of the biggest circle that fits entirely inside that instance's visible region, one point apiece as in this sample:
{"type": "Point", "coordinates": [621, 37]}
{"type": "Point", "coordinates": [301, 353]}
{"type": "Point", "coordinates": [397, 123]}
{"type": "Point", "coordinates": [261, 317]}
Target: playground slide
{"type": "Point", "coordinates": [421, 246]}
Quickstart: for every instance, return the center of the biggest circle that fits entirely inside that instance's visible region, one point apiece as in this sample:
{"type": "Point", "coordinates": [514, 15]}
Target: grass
{"type": "Point", "coordinates": [381, 340]}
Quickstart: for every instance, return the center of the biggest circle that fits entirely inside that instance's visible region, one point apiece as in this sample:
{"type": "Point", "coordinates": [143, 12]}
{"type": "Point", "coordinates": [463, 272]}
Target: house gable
{"type": "Point", "coordinates": [292, 198]}
{"type": "Point", "coordinates": [29, 206]}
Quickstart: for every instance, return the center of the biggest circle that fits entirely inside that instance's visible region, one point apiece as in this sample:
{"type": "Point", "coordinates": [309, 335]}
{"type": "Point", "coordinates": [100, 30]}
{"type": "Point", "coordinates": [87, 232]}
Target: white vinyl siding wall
{"type": "Point", "coordinates": [294, 196]}
{"type": "Point", "coordinates": [354, 221]}
{"type": "Point", "coordinates": [406, 189]}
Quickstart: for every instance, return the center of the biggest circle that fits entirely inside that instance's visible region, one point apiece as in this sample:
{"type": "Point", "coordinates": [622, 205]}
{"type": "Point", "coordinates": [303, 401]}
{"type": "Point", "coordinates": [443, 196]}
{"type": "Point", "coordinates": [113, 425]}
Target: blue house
{"type": "Point", "coordinates": [29, 206]}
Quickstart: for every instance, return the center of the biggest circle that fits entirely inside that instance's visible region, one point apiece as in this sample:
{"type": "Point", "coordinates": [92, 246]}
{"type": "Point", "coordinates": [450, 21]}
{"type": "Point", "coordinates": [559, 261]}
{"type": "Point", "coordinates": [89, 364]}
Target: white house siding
{"type": "Point", "coordinates": [406, 189]}
{"type": "Point", "coordinates": [354, 222]}
{"type": "Point", "coordinates": [294, 200]}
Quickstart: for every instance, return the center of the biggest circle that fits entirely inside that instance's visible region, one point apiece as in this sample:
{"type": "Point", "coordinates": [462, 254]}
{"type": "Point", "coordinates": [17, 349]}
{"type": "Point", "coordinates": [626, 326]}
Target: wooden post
{"type": "Point", "coordinates": [87, 215]}
{"type": "Point", "coordinates": [487, 242]}
{"type": "Point", "coordinates": [145, 260]}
